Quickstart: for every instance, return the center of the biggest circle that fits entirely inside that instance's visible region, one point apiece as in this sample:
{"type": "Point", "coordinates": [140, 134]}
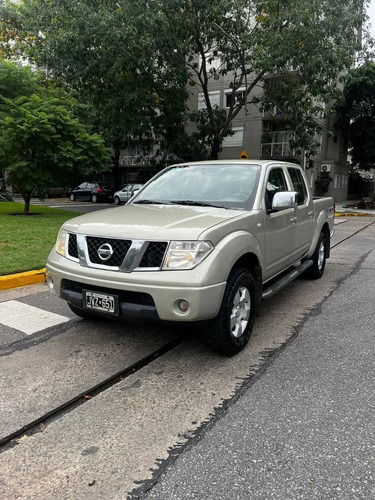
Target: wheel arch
{"type": "Point", "coordinates": [250, 262]}
{"type": "Point", "coordinates": [325, 229]}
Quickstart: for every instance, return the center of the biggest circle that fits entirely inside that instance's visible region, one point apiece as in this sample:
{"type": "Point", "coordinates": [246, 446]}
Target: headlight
{"type": "Point", "coordinates": [186, 254]}
{"type": "Point", "coordinates": [60, 242]}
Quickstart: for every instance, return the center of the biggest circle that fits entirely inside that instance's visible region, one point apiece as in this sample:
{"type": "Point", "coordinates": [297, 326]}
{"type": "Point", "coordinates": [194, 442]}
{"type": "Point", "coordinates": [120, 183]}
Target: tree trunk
{"type": "Point", "coordinates": [215, 149]}
{"type": "Point", "coordinates": [116, 168]}
{"type": "Point", "coordinates": [26, 209]}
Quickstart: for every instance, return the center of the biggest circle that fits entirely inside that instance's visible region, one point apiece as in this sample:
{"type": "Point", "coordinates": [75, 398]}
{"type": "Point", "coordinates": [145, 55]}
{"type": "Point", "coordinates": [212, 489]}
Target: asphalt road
{"type": "Point", "coordinates": [103, 410]}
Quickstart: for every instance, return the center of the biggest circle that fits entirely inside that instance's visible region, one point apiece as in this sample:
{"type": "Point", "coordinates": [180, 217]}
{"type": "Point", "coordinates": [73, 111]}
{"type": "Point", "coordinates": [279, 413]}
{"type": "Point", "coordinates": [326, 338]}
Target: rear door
{"type": "Point", "coordinates": [305, 210]}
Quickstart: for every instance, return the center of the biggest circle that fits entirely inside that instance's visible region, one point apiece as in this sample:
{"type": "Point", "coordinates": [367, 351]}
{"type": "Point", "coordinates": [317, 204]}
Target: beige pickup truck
{"type": "Point", "coordinates": [200, 242]}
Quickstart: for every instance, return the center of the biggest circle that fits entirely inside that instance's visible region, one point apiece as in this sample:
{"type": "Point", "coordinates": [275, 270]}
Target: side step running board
{"type": "Point", "coordinates": [286, 279]}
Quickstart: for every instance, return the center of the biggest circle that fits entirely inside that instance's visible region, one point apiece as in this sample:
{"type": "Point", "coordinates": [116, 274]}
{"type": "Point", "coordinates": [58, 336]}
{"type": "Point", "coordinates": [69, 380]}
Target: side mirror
{"type": "Point", "coordinates": [283, 200]}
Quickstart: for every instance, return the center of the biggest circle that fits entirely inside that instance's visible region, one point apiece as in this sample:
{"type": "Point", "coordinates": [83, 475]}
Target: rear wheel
{"type": "Point", "coordinates": [319, 258]}
{"type": "Point", "coordinates": [94, 198]}
{"type": "Point", "coordinates": [231, 329]}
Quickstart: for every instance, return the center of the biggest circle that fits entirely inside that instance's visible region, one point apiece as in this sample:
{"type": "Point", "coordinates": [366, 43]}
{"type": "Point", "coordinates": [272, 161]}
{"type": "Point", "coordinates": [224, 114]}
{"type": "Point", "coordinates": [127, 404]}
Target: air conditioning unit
{"type": "Point", "coordinates": [325, 167]}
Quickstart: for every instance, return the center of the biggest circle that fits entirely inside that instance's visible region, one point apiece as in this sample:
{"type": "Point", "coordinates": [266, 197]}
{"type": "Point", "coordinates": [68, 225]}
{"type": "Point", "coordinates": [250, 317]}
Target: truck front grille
{"type": "Point", "coordinates": [120, 249]}
{"type": "Point", "coordinates": [143, 255]}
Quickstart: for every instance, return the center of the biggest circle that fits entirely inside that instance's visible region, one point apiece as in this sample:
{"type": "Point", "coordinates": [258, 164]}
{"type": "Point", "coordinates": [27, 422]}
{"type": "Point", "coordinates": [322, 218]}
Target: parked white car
{"type": "Point", "coordinates": [126, 193]}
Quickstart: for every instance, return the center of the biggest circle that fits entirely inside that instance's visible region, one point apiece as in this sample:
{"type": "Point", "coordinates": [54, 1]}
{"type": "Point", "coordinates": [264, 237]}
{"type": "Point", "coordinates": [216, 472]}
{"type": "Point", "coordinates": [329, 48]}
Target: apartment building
{"type": "Point", "coordinates": [266, 135]}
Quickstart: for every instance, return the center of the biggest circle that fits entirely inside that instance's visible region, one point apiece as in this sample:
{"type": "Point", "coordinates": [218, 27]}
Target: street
{"type": "Point", "coordinates": [101, 409]}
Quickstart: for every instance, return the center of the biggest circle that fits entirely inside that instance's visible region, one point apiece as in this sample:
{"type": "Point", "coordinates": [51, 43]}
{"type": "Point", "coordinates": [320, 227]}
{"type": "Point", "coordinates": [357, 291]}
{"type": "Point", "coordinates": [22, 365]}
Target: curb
{"type": "Point", "coordinates": [22, 279]}
{"type": "Point", "coordinates": [353, 214]}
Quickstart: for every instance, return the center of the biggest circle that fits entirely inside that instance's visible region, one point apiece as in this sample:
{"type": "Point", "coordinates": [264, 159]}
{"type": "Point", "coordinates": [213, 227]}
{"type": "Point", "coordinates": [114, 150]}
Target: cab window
{"type": "Point", "coordinates": [276, 182]}
{"type": "Point", "coordinates": [299, 185]}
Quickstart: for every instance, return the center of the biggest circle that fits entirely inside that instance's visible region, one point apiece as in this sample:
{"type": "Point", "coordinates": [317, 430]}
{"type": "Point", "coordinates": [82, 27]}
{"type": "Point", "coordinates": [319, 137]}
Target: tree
{"type": "Point", "coordinates": [125, 57]}
{"type": "Point", "coordinates": [42, 142]}
{"type": "Point", "coordinates": [358, 115]}
{"type": "Point", "coordinates": [302, 43]}
{"type": "Point", "coordinates": [106, 51]}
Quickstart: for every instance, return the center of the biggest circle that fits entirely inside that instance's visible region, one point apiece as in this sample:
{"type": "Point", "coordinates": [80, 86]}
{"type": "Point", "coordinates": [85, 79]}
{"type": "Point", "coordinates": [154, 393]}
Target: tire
{"type": "Point", "coordinates": [82, 313]}
{"type": "Point", "coordinates": [94, 198]}
{"type": "Point", "coordinates": [319, 258]}
{"type": "Point", "coordinates": [117, 200]}
{"type": "Point", "coordinates": [230, 331]}
{"type": "Point", "coordinates": [72, 197]}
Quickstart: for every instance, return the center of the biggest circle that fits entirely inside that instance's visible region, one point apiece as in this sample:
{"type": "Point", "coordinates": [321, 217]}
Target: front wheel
{"type": "Point", "coordinates": [231, 329]}
{"type": "Point", "coordinates": [319, 258]}
{"type": "Point", "coordinates": [72, 197]}
{"type": "Point", "coordinates": [117, 200]}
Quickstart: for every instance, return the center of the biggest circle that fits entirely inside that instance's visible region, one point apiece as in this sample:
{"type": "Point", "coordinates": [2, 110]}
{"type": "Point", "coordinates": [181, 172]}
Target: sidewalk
{"type": "Point", "coordinates": [305, 429]}
{"type": "Point", "coordinates": [348, 208]}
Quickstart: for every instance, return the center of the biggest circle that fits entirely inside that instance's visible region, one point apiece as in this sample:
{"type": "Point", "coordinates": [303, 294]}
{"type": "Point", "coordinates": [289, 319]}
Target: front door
{"type": "Point", "coordinates": [280, 227]}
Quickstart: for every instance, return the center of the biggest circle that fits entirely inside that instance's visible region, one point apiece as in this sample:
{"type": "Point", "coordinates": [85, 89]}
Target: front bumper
{"type": "Point", "coordinates": [142, 295]}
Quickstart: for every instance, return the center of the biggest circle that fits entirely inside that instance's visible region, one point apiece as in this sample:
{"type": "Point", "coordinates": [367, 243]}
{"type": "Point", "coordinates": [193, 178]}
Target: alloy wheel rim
{"type": "Point", "coordinates": [321, 256]}
{"type": "Point", "coordinates": [240, 313]}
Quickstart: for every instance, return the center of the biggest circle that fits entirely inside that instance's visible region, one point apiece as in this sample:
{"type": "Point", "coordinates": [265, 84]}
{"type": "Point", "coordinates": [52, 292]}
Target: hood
{"type": "Point", "coordinates": [154, 222]}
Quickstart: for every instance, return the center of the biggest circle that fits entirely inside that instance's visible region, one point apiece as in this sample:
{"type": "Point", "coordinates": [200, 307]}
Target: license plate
{"type": "Point", "coordinates": [100, 302]}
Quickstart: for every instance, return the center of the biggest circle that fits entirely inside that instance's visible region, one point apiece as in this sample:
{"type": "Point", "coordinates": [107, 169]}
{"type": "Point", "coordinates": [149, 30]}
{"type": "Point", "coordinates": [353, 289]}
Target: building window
{"type": "Point", "coordinates": [231, 99]}
{"type": "Point", "coordinates": [235, 139]}
{"type": "Point", "coordinates": [214, 99]}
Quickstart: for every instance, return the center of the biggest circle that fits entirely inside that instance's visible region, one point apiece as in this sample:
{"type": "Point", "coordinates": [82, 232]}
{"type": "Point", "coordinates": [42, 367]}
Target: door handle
{"type": "Point", "coordinates": [311, 213]}
{"type": "Point", "coordinates": [293, 219]}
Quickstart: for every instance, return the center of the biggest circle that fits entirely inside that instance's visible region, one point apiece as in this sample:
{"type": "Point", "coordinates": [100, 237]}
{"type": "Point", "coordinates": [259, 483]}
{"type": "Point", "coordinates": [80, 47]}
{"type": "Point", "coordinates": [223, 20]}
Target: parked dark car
{"type": "Point", "coordinates": [126, 193]}
{"type": "Point", "coordinates": [92, 191]}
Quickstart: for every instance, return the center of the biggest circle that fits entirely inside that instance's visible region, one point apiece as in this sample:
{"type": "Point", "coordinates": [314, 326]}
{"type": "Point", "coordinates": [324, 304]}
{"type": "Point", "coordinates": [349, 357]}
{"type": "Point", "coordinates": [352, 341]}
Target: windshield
{"type": "Point", "coordinates": [219, 185]}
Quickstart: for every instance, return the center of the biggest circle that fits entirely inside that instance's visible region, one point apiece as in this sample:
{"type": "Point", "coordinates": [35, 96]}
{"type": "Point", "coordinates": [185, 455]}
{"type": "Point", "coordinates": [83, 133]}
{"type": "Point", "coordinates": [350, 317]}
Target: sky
{"type": "Point", "coordinates": [371, 14]}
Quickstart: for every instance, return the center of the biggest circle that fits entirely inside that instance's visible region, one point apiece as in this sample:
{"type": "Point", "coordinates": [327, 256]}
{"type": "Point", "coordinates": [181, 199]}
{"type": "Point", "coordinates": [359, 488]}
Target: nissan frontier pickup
{"type": "Point", "coordinates": [200, 242]}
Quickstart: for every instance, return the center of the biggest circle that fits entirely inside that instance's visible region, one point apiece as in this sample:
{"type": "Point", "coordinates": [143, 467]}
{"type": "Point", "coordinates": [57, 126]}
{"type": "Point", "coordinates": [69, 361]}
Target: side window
{"type": "Point", "coordinates": [298, 185]}
{"type": "Point", "coordinates": [276, 182]}
{"type": "Point", "coordinates": [83, 185]}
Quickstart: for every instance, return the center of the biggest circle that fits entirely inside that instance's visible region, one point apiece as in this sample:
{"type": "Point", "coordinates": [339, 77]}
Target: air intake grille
{"type": "Point", "coordinates": [154, 255]}
{"type": "Point", "coordinates": [72, 246]}
{"type": "Point", "coordinates": [119, 247]}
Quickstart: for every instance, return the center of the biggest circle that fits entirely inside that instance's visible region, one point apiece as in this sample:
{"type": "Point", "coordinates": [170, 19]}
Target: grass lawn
{"type": "Point", "coordinates": [26, 240]}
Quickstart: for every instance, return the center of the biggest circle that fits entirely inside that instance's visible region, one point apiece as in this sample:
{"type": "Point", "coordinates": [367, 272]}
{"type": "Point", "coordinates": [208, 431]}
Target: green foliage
{"type": "Point", "coordinates": [322, 182]}
{"type": "Point", "coordinates": [42, 142]}
{"type": "Point", "coordinates": [131, 59]}
{"type": "Point", "coordinates": [302, 44]}
{"type": "Point", "coordinates": [358, 110]}
{"type": "Point", "coordinates": [108, 52]}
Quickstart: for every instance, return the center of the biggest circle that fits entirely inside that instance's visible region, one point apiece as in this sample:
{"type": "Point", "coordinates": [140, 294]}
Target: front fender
{"type": "Point", "coordinates": [239, 243]}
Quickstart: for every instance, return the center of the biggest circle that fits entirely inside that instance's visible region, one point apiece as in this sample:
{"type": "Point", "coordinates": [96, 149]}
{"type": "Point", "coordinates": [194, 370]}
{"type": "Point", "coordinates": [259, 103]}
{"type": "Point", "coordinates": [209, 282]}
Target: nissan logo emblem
{"type": "Point", "coordinates": [105, 252]}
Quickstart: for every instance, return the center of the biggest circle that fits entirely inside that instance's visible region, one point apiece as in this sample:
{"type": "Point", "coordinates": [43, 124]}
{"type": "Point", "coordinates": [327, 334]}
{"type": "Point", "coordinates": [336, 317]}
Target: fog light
{"type": "Point", "coordinates": [50, 282]}
{"type": "Point", "coordinates": [183, 305]}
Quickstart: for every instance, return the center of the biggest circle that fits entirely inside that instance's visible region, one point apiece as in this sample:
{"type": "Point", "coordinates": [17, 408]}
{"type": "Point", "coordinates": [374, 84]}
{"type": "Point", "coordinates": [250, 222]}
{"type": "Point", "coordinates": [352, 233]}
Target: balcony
{"type": "Point", "coordinates": [133, 160]}
{"type": "Point", "coordinates": [276, 149]}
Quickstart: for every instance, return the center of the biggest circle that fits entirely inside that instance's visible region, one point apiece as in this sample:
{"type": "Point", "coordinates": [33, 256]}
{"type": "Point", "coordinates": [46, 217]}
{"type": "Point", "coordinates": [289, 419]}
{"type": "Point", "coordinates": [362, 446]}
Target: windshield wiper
{"type": "Point", "coordinates": [197, 204]}
{"type": "Point", "coordinates": [152, 202]}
